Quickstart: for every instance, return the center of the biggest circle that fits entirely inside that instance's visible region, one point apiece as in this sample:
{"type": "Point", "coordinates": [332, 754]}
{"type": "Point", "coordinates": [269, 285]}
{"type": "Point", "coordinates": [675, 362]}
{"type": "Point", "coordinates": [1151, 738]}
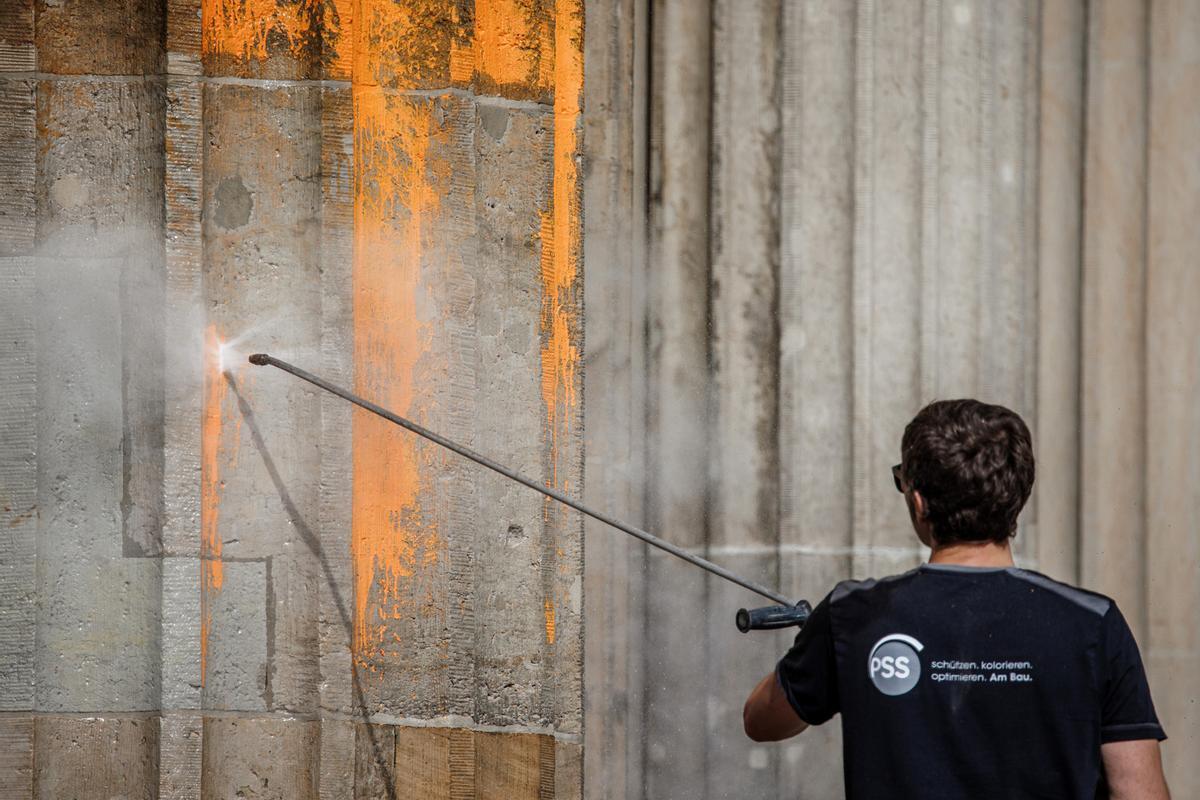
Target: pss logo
{"type": "Point", "coordinates": [894, 665]}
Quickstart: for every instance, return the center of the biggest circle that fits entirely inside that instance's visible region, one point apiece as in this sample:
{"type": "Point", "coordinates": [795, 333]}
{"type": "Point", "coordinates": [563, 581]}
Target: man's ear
{"type": "Point", "coordinates": [919, 506]}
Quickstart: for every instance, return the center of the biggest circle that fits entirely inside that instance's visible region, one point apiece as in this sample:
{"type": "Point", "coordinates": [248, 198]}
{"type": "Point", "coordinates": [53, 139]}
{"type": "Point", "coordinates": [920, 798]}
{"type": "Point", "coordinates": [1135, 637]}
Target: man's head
{"type": "Point", "coordinates": [966, 471]}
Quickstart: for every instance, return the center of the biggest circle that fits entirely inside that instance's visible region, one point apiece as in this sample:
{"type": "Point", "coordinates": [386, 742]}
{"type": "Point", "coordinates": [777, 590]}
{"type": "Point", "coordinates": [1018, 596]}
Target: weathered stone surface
{"type": "Point", "coordinates": [275, 40]}
{"type": "Point", "coordinates": [1112, 546]}
{"type": "Point", "coordinates": [336, 584]}
{"type": "Point", "coordinates": [1057, 434]}
{"type": "Point", "coordinates": [414, 341]}
{"type": "Point", "coordinates": [887, 265]}
{"type": "Point", "coordinates": [18, 477]}
{"type": "Point", "coordinates": [519, 766]}
{"type": "Point", "coordinates": [163, 205]}
{"type": "Point", "coordinates": [95, 37]}
{"type": "Point", "coordinates": [238, 675]}
{"type": "Point", "coordinates": [16, 757]}
{"type": "Point", "coordinates": [677, 411]}
{"type": "Point", "coordinates": [374, 761]}
{"type": "Point", "coordinates": [614, 470]}
{"type": "Point", "coordinates": [17, 166]}
{"type": "Point", "coordinates": [17, 51]}
{"type": "Point", "coordinates": [260, 759]}
{"type": "Point", "coordinates": [510, 648]}
{"type": "Point", "coordinates": [96, 758]}
{"type": "Point", "coordinates": [568, 771]}
{"type": "Point", "coordinates": [181, 741]}
{"type": "Point", "coordinates": [437, 763]}
{"type": "Point", "coordinates": [180, 633]}
{"type": "Point", "coordinates": [97, 621]}
{"type": "Point", "coordinates": [337, 758]}
{"type": "Point", "coordinates": [1172, 385]}
{"type": "Point", "coordinates": [261, 232]}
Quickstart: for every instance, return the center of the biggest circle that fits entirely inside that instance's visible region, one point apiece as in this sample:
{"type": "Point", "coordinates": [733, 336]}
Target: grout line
{"type": "Point", "coordinates": [16, 75]}
{"type": "Point", "coordinates": [266, 83]}
{"type": "Point", "coordinates": [451, 721]}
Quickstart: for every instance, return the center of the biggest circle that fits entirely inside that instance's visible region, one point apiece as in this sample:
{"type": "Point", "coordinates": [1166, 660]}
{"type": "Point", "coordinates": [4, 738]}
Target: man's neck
{"type": "Point", "coordinates": [973, 554]}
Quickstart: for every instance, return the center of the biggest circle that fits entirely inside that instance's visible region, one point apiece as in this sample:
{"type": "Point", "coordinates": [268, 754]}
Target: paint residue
{"type": "Point", "coordinates": [510, 46]}
{"type": "Point", "coordinates": [337, 37]}
{"type": "Point", "coordinates": [212, 575]}
{"type": "Point", "coordinates": [242, 29]}
{"type": "Point", "coordinates": [513, 47]}
{"type": "Point", "coordinates": [407, 45]}
{"type": "Point", "coordinates": [549, 611]}
{"type": "Point", "coordinates": [560, 256]}
{"type": "Point", "coordinates": [393, 195]}
{"type": "Point", "coordinates": [561, 238]}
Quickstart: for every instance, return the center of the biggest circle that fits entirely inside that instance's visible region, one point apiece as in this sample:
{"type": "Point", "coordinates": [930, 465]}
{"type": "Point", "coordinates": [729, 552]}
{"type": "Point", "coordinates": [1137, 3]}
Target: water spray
{"type": "Point", "coordinates": [784, 615]}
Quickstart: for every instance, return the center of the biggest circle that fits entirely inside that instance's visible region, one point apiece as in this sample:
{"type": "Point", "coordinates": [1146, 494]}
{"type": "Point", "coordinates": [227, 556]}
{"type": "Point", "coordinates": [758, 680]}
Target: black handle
{"type": "Point", "coordinates": [771, 617]}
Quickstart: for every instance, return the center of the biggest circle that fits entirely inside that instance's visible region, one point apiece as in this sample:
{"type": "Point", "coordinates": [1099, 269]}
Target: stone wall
{"type": "Point", "coordinates": [215, 580]}
{"type": "Point", "coordinates": [855, 207]}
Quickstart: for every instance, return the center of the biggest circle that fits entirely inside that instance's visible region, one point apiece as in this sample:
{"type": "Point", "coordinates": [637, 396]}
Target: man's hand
{"type": "Point", "coordinates": [1134, 770]}
{"type": "Point", "coordinates": [768, 716]}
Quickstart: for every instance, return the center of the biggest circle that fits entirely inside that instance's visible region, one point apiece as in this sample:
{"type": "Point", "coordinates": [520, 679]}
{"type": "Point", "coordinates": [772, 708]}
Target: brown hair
{"type": "Point", "coordinates": [973, 464]}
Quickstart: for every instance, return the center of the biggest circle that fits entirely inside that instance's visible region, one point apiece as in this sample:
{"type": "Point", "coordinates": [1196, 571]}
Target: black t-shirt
{"type": "Point", "coordinates": [961, 682]}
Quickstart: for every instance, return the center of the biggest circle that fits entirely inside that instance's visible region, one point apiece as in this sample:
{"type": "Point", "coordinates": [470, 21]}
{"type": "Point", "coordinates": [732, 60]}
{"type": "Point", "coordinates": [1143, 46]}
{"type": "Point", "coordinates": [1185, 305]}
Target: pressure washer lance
{"type": "Point", "coordinates": [779, 616]}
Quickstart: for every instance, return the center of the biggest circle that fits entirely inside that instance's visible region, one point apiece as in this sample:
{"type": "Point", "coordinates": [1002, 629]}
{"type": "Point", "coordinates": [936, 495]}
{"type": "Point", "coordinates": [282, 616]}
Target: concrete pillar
{"type": "Point", "coordinates": [886, 273]}
{"type": "Point", "coordinates": [1057, 442]}
{"type": "Point", "coordinates": [466, 310]}
{"type": "Point", "coordinates": [340, 693]}
{"type": "Point", "coordinates": [1172, 637]}
{"type": "Point", "coordinates": [1113, 454]}
{"type": "Point", "coordinates": [744, 308]}
{"type": "Point", "coordinates": [978, 169]}
{"type": "Point", "coordinates": [181, 728]}
{"type": "Point", "coordinates": [18, 414]}
{"type": "Point", "coordinates": [906, 171]}
{"type": "Point", "coordinates": [81, 261]}
{"type": "Point", "coordinates": [815, 342]}
{"type": "Point", "coordinates": [615, 125]}
{"type": "Point", "coordinates": [678, 423]}
{"type": "Point", "coordinates": [260, 431]}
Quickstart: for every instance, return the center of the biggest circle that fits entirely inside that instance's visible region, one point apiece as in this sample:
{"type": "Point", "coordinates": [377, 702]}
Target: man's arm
{"type": "Point", "coordinates": [767, 715]}
{"type": "Point", "coordinates": [1134, 770]}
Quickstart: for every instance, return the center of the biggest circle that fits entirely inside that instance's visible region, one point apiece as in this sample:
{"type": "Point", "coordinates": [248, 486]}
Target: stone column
{"type": "Point", "coordinates": [260, 436]}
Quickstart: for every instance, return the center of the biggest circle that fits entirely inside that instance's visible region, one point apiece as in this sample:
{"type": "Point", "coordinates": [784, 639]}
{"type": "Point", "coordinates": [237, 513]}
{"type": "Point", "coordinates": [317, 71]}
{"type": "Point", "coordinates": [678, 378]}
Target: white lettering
{"type": "Point", "coordinates": [902, 667]}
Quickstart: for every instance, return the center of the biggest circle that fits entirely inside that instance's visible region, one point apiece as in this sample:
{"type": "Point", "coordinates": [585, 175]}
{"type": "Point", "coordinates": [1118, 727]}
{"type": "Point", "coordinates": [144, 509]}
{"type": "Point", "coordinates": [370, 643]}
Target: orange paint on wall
{"type": "Point", "coordinates": [405, 44]}
{"type": "Point", "coordinates": [337, 37]}
{"type": "Point", "coordinates": [513, 44]}
{"type": "Point", "coordinates": [398, 183]}
{"type": "Point", "coordinates": [242, 28]}
{"type": "Point", "coordinates": [561, 249]}
{"type": "Point", "coordinates": [212, 574]}
{"type": "Point", "coordinates": [549, 611]}
{"type": "Point", "coordinates": [393, 196]}
{"type": "Point", "coordinates": [561, 236]}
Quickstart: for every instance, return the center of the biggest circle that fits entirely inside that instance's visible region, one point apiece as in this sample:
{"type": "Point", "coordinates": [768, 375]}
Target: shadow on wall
{"type": "Point", "coordinates": [382, 763]}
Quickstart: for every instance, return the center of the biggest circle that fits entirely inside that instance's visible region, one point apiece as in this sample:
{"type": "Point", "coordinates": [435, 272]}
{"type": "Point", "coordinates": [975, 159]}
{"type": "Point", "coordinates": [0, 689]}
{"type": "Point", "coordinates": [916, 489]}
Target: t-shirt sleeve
{"type": "Point", "coordinates": [807, 674]}
{"type": "Point", "coordinates": [1127, 712]}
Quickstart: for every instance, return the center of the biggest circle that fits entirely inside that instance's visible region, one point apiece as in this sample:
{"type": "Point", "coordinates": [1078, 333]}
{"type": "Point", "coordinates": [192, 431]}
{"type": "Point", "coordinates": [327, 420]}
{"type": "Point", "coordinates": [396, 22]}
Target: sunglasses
{"type": "Point", "coordinates": [896, 478]}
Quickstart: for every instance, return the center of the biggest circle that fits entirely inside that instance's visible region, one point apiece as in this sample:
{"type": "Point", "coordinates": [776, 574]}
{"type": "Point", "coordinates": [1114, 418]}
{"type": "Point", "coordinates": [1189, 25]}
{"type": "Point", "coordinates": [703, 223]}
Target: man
{"type": "Point", "coordinates": [967, 677]}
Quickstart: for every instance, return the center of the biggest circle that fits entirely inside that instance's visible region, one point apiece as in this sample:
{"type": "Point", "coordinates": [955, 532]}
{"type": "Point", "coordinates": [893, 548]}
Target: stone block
{"type": "Point", "coordinates": [260, 758]}
{"type": "Point", "coordinates": [238, 666]}
{"type": "Point", "coordinates": [96, 758]}
{"type": "Point", "coordinates": [16, 757]}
